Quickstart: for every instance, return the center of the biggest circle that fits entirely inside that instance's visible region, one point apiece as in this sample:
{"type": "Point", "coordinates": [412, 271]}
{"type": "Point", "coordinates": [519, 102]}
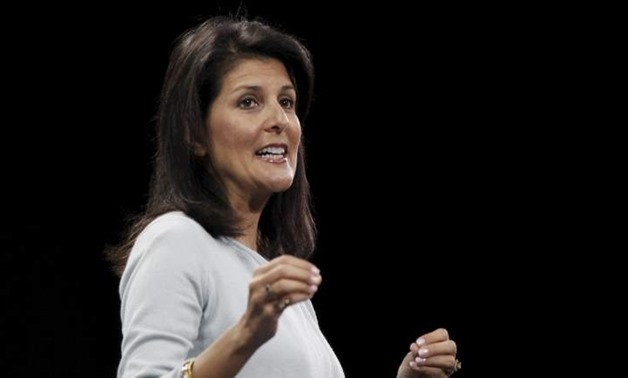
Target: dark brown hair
{"type": "Point", "coordinates": [183, 181]}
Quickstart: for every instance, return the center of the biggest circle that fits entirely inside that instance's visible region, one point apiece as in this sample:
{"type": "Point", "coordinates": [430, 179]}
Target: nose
{"type": "Point", "coordinates": [277, 119]}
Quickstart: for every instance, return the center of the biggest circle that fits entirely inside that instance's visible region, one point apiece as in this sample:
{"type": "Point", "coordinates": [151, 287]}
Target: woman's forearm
{"type": "Point", "coordinates": [226, 356]}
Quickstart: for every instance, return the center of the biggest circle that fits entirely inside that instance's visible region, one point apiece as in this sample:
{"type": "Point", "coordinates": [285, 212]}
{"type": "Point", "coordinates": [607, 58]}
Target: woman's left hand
{"type": "Point", "coordinates": [432, 355]}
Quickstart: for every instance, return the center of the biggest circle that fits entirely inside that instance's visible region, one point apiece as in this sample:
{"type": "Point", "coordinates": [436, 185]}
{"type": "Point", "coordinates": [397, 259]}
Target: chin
{"type": "Point", "coordinates": [280, 185]}
{"type": "Point", "coordinates": [280, 188]}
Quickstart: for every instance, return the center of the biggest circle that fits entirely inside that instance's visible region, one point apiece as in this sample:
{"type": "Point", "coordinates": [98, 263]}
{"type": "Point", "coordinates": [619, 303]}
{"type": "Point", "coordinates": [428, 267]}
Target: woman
{"type": "Point", "coordinates": [214, 276]}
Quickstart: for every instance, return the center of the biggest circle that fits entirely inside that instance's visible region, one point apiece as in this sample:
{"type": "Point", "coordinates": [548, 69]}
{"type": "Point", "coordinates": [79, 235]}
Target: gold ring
{"type": "Point", "coordinates": [283, 304]}
{"type": "Point", "coordinates": [457, 366]}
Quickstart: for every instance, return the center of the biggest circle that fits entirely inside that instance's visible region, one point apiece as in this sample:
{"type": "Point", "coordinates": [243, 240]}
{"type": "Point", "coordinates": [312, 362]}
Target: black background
{"type": "Point", "coordinates": [411, 158]}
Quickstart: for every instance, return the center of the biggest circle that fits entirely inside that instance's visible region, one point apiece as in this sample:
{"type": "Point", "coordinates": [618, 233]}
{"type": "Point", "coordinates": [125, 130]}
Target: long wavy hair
{"type": "Point", "coordinates": [183, 181]}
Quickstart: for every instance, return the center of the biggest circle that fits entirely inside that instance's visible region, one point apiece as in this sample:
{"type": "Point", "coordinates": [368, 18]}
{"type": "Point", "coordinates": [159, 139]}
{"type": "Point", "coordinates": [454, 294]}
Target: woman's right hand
{"type": "Point", "coordinates": [282, 282]}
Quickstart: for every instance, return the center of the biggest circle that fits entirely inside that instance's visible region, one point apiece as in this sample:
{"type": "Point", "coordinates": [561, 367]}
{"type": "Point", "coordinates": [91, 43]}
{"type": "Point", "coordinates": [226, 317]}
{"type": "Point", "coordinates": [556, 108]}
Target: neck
{"type": "Point", "coordinates": [249, 216]}
{"type": "Point", "coordinates": [249, 234]}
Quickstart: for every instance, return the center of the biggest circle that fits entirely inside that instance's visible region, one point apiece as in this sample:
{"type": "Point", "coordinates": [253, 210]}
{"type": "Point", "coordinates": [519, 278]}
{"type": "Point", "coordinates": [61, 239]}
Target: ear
{"type": "Point", "coordinates": [199, 149]}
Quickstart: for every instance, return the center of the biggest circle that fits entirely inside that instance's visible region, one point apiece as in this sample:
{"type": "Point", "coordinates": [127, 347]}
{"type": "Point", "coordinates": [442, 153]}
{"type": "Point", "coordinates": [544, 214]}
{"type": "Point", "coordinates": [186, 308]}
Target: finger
{"type": "Point", "coordinates": [437, 335]}
{"type": "Point", "coordinates": [285, 286]}
{"type": "Point", "coordinates": [277, 306]}
{"type": "Point", "coordinates": [444, 362]}
{"type": "Point", "coordinates": [447, 348]}
{"type": "Point", "coordinates": [428, 371]}
{"type": "Point", "coordinates": [287, 260]}
{"type": "Point", "coordinates": [282, 280]}
{"type": "Point", "coordinates": [289, 300]}
{"type": "Point", "coordinates": [289, 292]}
{"type": "Point", "coordinates": [292, 272]}
{"type": "Point", "coordinates": [285, 271]}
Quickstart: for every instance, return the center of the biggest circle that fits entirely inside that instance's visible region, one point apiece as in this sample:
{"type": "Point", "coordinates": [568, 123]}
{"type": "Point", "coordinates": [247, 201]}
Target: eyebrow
{"type": "Point", "coordinates": [258, 87]}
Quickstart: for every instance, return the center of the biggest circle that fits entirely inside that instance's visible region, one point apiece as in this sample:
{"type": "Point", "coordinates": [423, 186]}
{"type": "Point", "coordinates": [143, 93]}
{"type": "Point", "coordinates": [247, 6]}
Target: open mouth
{"type": "Point", "coordinates": [275, 152]}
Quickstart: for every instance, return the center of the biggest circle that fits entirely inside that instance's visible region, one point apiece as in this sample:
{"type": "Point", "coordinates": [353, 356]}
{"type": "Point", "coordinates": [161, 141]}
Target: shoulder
{"type": "Point", "coordinates": [173, 224]}
{"type": "Point", "coordinates": [171, 258]}
{"type": "Point", "coordinates": [173, 238]}
{"type": "Point", "coordinates": [175, 228]}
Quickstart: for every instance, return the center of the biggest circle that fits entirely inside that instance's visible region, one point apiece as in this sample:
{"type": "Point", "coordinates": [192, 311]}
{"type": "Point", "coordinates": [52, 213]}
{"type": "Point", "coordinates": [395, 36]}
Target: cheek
{"type": "Point", "coordinates": [228, 138]}
{"type": "Point", "coordinates": [296, 141]}
{"type": "Point", "coordinates": [296, 131]}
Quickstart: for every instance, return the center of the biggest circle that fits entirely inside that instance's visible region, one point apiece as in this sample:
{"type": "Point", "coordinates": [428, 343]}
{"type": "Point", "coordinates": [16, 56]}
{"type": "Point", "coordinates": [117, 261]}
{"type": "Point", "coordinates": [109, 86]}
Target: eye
{"type": "Point", "coordinates": [247, 103]}
{"type": "Point", "coordinates": [287, 103]}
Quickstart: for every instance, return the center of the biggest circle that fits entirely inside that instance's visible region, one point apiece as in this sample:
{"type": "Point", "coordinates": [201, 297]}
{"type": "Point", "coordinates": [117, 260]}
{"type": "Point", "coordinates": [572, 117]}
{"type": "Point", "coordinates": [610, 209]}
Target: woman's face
{"type": "Point", "coordinates": [253, 130]}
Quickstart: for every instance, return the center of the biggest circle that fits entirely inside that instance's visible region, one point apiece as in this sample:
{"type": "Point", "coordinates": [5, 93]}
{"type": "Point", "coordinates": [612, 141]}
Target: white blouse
{"type": "Point", "coordinates": [182, 289]}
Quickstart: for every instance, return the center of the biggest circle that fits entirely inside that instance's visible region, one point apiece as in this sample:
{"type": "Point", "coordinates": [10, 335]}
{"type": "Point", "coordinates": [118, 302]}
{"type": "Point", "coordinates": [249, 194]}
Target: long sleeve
{"type": "Point", "coordinates": [182, 289]}
{"type": "Point", "coordinates": [163, 292]}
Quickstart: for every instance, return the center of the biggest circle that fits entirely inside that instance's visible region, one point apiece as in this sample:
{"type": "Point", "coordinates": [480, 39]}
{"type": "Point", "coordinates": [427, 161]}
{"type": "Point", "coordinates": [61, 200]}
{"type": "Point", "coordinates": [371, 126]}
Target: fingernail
{"type": "Point", "coordinates": [423, 352]}
{"type": "Point", "coordinates": [315, 270]}
{"type": "Point", "coordinates": [420, 341]}
{"type": "Point", "coordinates": [313, 288]}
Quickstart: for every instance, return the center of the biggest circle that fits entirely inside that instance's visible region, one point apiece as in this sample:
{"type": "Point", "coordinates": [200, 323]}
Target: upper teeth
{"type": "Point", "coordinates": [272, 150]}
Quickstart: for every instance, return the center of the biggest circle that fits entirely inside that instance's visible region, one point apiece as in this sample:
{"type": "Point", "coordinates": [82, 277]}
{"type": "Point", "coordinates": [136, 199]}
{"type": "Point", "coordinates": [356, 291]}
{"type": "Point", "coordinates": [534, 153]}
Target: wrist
{"type": "Point", "coordinates": [245, 341]}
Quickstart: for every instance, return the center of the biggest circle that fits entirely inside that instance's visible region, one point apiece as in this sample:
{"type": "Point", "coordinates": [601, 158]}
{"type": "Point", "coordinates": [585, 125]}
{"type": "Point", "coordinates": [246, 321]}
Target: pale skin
{"type": "Point", "coordinates": [431, 355]}
{"type": "Point", "coordinates": [253, 140]}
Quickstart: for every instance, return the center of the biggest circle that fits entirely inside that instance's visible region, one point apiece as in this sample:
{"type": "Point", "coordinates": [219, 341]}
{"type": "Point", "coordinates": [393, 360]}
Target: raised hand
{"type": "Point", "coordinates": [284, 281]}
{"type": "Point", "coordinates": [431, 355]}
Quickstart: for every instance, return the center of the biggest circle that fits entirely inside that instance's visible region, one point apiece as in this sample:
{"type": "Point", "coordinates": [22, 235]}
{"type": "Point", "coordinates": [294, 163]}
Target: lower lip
{"type": "Point", "coordinates": [280, 160]}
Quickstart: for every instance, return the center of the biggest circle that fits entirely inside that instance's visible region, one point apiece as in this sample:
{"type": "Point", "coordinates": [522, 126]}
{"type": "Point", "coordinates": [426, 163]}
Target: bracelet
{"type": "Point", "coordinates": [187, 368]}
